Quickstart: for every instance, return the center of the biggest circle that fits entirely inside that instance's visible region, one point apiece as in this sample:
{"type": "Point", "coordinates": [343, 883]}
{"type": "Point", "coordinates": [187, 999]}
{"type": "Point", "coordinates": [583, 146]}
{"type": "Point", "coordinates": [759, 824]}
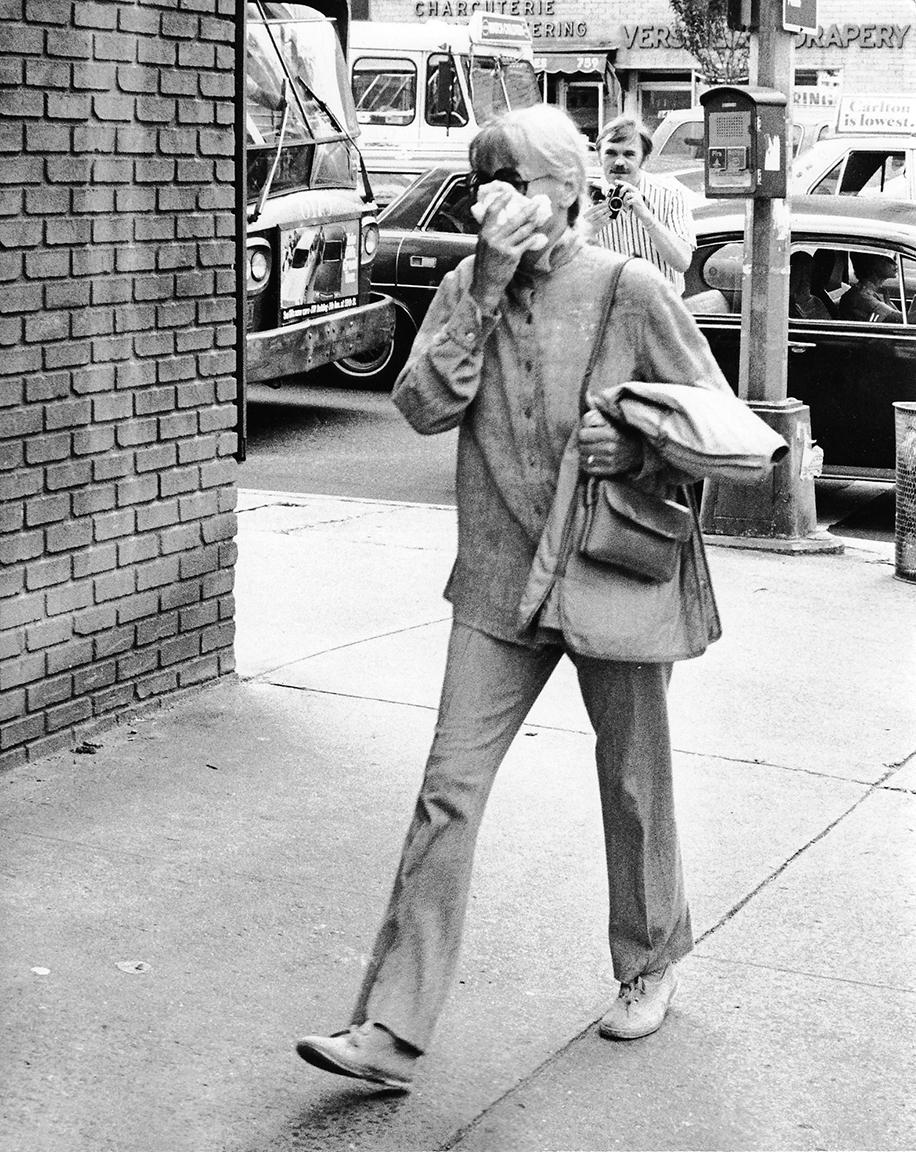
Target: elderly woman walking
{"type": "Point", "coordinates": [501, 355]}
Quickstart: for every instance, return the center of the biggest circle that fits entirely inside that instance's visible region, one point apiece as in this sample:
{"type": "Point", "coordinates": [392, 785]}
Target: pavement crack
{"type": "Point", "coordinates": [459, 1134]}
{"type": "Point", "coordinates": [897, 764]}
{"type": "Point", "coordinates": [732, 963]}
{"type": "Point", "coordinates": [340, 648]}
{"type": "Point", "coordinates": [773, 764]}
{"type": "Point", "coordinates": [768, 880]}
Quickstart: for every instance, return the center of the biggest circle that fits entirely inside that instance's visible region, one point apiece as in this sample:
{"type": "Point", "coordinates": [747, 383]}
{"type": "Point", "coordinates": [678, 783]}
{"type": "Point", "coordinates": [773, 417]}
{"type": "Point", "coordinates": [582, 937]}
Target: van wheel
{"type": "Point", "coordinates": [379, 367]}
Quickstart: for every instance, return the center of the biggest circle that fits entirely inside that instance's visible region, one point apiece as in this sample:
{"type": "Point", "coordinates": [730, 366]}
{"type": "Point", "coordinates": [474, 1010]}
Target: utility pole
{"type": "Point", "coordinates": [780, 514]}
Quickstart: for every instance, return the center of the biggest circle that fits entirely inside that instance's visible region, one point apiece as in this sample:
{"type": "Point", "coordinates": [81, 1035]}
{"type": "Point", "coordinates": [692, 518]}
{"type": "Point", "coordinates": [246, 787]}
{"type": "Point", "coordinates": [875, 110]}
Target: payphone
{"type": "Point", "coordinates": [745, 142]}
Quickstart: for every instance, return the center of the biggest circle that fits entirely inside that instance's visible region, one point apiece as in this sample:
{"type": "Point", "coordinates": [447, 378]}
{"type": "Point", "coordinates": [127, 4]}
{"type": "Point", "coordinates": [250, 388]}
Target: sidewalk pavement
{"type": "Point", "coordinates": [185, 901]}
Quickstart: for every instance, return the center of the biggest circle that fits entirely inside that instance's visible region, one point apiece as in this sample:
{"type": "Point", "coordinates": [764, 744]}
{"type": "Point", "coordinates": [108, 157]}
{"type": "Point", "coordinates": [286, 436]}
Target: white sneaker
{"type": "Point", "coordinates": [367, 1051]}
{"type": "Point", "coordinates": [640, 1006]}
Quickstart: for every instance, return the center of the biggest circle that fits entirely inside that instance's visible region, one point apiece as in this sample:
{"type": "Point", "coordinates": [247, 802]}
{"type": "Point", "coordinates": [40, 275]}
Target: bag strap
{"type": "Point", "coordinates": [610, 292]}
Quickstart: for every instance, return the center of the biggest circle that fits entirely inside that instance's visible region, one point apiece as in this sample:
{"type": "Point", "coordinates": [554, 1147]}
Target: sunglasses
{"type": "Point", "coordinates": [476, 180]}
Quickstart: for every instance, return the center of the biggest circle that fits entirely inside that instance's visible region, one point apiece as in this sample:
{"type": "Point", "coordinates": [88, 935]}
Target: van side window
{"type": "Point", "coordinates": [385, 91]}
{"type": "Point", "coordinates": [445, 106]}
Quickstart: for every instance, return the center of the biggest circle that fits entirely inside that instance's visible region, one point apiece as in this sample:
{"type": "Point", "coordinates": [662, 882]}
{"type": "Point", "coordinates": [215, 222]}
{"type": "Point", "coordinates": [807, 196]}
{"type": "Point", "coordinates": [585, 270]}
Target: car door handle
{"type": "Point", "coordinates": [800, 346]}
{"type": "Point", "coordinates": [423, 261]}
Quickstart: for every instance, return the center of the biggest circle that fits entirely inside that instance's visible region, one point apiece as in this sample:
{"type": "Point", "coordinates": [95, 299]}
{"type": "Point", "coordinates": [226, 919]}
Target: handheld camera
{"type": "Point", "coordinates": [615, 200]}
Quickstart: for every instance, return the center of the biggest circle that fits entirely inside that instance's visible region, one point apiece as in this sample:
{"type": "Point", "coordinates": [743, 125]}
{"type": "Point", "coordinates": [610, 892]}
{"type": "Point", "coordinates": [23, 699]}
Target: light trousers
{"type": "Point", "coordinates": [488, 690]}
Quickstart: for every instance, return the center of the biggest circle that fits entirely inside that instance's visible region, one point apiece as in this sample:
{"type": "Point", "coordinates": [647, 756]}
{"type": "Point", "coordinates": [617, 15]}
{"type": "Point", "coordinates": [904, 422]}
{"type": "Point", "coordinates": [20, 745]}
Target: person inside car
{"type": "Point", "coordinates": [865, 299]}
{"type": "Point", "coordinates": [803, 304]}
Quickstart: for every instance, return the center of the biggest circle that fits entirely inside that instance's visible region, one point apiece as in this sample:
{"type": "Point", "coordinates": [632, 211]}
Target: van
{"type": "Point", "coordinates": [423, 90]}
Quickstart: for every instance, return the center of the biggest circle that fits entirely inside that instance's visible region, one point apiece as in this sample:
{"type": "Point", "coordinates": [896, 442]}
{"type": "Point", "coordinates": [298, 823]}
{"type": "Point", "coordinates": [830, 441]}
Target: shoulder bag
{"type": "Point", "coordinates": [624, 525]}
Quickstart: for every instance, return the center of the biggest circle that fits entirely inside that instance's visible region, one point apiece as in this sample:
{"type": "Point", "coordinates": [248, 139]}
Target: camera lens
{"type": "Point", "coordinates": [615, 201]}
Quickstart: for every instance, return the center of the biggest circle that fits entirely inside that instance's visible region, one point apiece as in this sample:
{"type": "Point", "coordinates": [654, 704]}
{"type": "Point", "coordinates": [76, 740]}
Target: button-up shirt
{"type": "Point", "coordinates": [511, 379]}
{"type": "Point", "coordinates": [627, 233]}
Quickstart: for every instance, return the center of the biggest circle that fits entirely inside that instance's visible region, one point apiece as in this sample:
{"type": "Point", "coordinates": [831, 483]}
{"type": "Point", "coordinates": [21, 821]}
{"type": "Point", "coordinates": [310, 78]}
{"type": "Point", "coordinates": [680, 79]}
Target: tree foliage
{"type": "Point", "coordinates": [721, 52]}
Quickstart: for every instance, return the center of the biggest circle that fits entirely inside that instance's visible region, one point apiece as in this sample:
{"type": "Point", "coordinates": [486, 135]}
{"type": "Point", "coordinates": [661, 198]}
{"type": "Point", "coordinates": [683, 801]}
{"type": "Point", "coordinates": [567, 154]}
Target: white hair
{"type": "Point", "coordinates": [543, 135]}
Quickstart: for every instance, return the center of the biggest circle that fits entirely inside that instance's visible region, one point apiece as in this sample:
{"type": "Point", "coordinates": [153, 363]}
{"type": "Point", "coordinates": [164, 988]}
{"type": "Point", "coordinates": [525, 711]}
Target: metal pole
{"type": "Point", "coordinates": [765, 296]}
{"type": "Point", "coordinates": [780, 514]}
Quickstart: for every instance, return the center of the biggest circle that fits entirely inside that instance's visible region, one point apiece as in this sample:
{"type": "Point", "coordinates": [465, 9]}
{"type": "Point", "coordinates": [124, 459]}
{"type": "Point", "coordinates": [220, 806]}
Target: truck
{"type": "Point", "coordinates": [423, 90]}
{"type": "Point", "coordinates": [311, 231]}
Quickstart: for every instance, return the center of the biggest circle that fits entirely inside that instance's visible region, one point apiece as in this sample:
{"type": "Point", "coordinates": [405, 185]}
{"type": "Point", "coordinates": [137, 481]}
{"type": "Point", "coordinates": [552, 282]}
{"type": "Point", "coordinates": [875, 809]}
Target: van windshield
{"type": "Point", "coordinates": [296, 50]}
{"type": "Point", "coordinates": [307, 51]}
{"type": "Point", "coordinates": [491, 80]}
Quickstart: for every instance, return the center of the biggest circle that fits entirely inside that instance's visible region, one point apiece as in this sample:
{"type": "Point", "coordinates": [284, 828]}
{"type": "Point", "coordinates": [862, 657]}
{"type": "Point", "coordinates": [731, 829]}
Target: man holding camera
{"type": "Point", "coordinates": [640, 216]}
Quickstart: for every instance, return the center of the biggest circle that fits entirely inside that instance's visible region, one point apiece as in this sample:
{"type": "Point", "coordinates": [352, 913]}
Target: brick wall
{"type": "Point", "coordinates": [117, 361]}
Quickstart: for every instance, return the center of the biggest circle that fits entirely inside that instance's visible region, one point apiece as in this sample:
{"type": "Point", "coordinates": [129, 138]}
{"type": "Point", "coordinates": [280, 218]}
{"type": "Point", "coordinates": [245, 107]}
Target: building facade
{"type": "Point", "coordinates": [118, 365]}
{"type": "Point", "coordinates": [596, 57]}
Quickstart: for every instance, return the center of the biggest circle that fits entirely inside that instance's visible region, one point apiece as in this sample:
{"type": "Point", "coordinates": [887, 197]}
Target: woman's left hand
{"type": "Point", "coordinates": [605, 449]}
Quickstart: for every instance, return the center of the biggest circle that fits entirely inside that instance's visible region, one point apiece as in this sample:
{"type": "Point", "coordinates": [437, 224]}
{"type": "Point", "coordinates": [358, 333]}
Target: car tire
{"type": "Point", "coordinates": [379, 367]}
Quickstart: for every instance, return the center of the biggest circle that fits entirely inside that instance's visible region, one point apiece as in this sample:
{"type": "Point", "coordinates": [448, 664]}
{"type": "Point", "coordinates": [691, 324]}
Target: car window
{"type": "Point", "coordinates": [888, 178]}
{"type": "Point", "coordinates": [867, 172]}
{"type": "Point", "coordinates": [908, 268]}
{"type": "Point", "coordinates": [827, 185]}
{"type": "Point", "coordinates": [385, 91]}
{"type": "Point", "coordinates": [861, 285]}
{"type": "Point", "coordinates": [838, 282]}
{"type": "Point", "coordinates": [407, 209]}
{"type": "Point", "coordinates": [817, 280]}
{"type": "Point", "coordinates": [453, 213]}
{"type": "Point", "coordinates": [450, 110]}
{"type": "Point", "coordinates": [685, 140]}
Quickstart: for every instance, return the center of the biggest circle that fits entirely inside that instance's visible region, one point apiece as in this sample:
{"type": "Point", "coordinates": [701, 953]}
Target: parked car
{"type": "Point", "coordinates": [678, 139]}
{"type": "Point", "coordinates": [848, 372]}
{"type": "Point", "coordinates": [678, 148]}
{"type": "Point", "coordinates": [858, 165]}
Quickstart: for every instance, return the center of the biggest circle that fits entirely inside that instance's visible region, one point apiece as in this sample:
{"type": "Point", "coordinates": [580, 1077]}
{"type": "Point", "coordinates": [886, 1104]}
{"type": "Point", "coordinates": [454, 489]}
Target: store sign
{"type": "Point", "coordinates": [855, 35]}
{"type": "Point", "coordinates": [649, 36]}
{"type": "Point", "coordinates": [463, 9]}
{"type": "Point", "coordinates": [805, 96]}
{"type": "Point", "coordinates": [570, 62]}
{"type": "Point", "coordinates": [532, 10]}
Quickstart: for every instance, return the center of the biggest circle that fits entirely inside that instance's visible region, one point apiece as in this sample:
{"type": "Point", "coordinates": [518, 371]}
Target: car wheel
{"type": "Point", "coordinates": [379, 367]}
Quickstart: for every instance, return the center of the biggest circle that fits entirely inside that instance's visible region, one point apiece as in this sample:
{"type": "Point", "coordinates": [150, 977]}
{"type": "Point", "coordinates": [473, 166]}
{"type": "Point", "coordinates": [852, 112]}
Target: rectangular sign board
{"type": "Point", "coordinates": [877, 115]}
{"type": "Point", "coordinates": [799, 15]}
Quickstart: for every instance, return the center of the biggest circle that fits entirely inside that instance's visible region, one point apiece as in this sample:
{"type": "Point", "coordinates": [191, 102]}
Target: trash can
{"type": "Point", "coordinates": [905, 507]}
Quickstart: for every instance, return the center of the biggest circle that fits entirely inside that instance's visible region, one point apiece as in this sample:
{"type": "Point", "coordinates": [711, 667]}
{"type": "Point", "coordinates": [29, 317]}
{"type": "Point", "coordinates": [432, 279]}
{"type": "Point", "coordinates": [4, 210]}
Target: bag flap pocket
{"type": "Point", "coordinates": [664, 517]}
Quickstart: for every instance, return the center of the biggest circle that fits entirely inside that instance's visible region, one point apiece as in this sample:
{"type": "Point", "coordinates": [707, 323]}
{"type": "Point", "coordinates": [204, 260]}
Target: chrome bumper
{"type": "Point", "coordinates": [318, 340]}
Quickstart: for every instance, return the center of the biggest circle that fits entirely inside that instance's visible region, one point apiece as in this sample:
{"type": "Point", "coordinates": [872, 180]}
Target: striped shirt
{"type": "Point", "coordinates": [628, 235]}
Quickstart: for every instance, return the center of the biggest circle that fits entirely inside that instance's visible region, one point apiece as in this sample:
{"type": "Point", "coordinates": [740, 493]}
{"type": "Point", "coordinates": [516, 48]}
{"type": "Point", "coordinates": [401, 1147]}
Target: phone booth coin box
{"type": "Point", "coordinates": [746, 134]}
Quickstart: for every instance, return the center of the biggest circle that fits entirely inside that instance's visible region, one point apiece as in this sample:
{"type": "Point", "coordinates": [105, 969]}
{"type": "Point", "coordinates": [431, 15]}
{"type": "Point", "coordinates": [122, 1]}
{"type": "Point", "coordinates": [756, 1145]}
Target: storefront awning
{"type": "Point", "coordinates": [589, 59]}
